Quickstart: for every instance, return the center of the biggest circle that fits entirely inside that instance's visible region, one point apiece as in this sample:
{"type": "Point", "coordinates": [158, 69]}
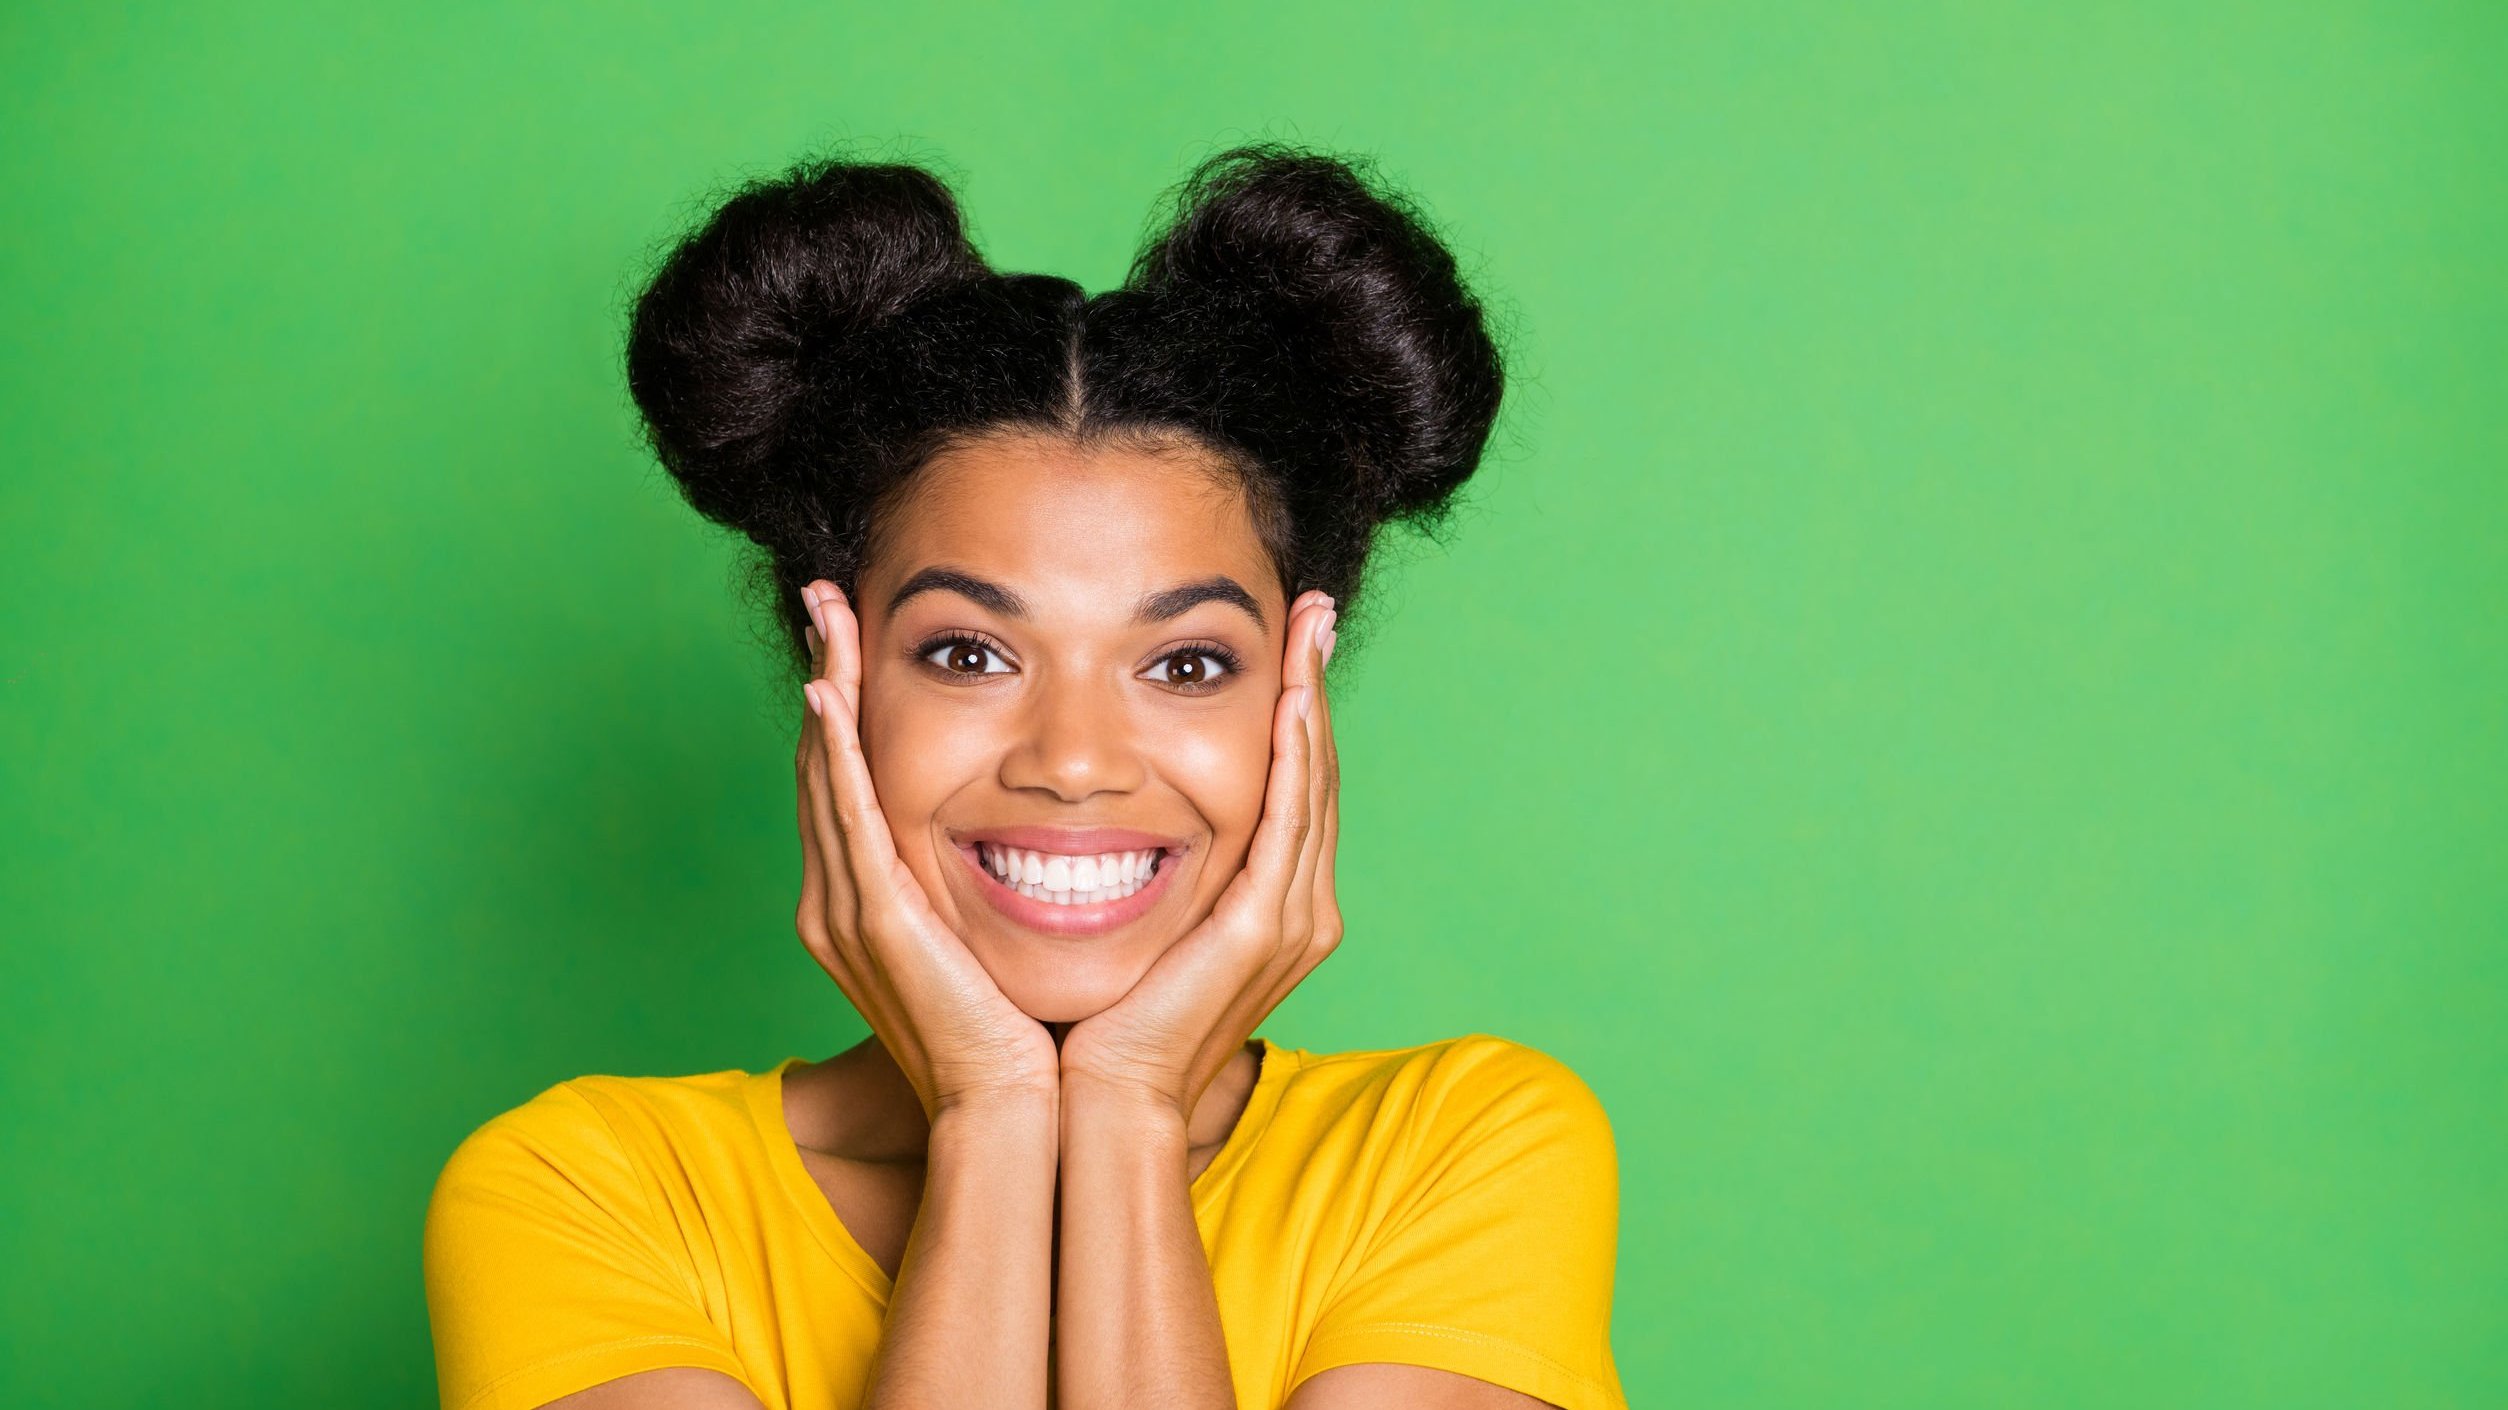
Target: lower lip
{"type": "Point", "coordinates": [1094, 919]}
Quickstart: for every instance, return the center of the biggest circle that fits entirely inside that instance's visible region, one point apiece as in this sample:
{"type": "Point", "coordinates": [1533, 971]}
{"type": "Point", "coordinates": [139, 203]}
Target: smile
{"type": "Point", "coordinates": [1062, 880]}
{"type": "Point", "coordinates": [1069, 894]}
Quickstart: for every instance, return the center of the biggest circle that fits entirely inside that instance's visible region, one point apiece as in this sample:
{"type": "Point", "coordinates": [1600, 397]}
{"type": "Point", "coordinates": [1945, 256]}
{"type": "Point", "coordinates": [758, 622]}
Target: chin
{"type": "Point", "coordinates": [1059, 981]}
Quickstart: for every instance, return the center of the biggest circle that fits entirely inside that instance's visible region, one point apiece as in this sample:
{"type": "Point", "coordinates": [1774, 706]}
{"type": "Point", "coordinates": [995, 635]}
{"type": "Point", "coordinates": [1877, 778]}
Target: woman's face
{"type": "Point", "coordinates": [1047, 636]}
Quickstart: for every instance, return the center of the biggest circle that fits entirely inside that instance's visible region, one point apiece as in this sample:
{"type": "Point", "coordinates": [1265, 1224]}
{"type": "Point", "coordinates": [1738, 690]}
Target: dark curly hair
{"type": "Point", "coordinates": [827, 331]}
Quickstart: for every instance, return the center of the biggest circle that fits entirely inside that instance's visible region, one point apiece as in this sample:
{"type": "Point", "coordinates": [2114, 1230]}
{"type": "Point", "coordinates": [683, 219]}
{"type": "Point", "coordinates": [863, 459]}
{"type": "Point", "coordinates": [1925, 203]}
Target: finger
{"type": "Point", "coordinates": [1311, 916]}
{"type": "Point", "coordinates": [811, 917]}
{"type": "Point", "coordinates": [1280, 836]}
{"type": "Point", "coordinates": [1328, 764]}
{"type": "Point", "coordinates": [815, 634]}
{"type": "Point", "coordinates": [1309, 618]}
{"type": "Point", "coordinates": [1327, 897]}
{"type": "Point", "coordinates": [1298, 900]}
{"type": "Point", "coordinates": [867, 851]}
{"type": "Point", "coordinates": [840, 678]}
{"type": "Point", "coordinates": [1316, 907]}
{"type": "Point", "coordinates": [842, 645]}
{"type": "Point", "coordinates": [830, 918]}
{"type": "Point", "coordinates": [1288, 803]}
{"type": "Point", "coordinates": [1309, 650]}
{"type": "Point", "coordinates": [812, 638]}
{"type": "Point", "coordinates": [835, 874]}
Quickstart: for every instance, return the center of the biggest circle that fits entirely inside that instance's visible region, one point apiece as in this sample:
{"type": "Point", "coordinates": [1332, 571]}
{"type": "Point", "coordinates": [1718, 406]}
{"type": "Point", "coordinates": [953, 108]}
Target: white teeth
{"type": "Point", "coordinates": [1067, 880]}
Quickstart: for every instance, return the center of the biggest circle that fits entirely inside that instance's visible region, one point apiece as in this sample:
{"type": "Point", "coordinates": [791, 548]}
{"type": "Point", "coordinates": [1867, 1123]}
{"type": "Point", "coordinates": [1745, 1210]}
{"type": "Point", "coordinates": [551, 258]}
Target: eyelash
{"type": "Point", "coordinates": [1226, 658]}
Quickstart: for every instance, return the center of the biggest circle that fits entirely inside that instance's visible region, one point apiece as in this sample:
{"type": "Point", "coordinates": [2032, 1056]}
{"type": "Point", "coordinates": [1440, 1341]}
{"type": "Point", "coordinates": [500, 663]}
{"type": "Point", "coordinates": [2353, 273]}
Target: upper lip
{"type": "Point", "coordinates": [1071, 841]}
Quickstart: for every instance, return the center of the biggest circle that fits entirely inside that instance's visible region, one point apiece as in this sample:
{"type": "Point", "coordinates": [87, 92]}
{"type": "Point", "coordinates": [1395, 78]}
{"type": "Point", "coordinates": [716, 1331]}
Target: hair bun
{"type": "Point", "coordinates": [730, 345]}
{"type": "Point", "coordinates": [1336, 337]}
{"type": "Point", "coordinates": [805, 352]}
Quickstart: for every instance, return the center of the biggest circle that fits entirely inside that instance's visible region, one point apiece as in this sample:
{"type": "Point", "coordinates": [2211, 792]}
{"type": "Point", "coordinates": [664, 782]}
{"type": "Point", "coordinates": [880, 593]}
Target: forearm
{"type": "Point", "coordinates": [967, 1322]}
{"type": "Point", "coordinates": [1138, 1323]}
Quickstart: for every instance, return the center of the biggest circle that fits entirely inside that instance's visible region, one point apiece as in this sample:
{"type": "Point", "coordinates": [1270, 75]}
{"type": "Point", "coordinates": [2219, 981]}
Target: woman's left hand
{"type": "Point", "coordinates": [1172, 1034]}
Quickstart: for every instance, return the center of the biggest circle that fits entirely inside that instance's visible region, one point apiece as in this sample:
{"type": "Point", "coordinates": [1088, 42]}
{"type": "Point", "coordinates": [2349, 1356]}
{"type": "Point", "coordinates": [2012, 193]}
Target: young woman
{"type": "Point", "coordinates": [1063, 574]}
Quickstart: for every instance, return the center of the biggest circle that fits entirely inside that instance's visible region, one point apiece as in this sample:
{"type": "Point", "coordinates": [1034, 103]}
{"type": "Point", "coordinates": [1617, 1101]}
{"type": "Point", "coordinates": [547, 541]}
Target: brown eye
{"type": "Point", "coordinates": [1195, 669]}
{"type": "Point", "coordinates": [963, 656]}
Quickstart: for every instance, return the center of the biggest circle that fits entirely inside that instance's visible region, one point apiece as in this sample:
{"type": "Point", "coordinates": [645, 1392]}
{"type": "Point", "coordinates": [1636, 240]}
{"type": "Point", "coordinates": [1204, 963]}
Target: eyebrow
{"type": "Point", "coordinates": [1158, 606]}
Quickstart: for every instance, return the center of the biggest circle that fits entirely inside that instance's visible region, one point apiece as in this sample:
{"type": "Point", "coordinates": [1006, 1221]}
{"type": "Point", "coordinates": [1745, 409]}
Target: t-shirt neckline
{"type": "Point", "coordinates": [766, 1113]}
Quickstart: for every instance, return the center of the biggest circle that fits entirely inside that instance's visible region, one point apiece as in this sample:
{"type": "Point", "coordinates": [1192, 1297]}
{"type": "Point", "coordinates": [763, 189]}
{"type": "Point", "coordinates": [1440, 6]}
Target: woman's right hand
{"type": "Point", "coordinates": [867, 921]}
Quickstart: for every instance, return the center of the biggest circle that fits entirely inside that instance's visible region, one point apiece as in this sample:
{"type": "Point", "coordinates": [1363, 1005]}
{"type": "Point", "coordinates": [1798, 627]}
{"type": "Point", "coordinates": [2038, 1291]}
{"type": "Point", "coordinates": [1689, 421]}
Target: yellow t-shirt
{"type": "Point", "coordinates": [1452, 1205]}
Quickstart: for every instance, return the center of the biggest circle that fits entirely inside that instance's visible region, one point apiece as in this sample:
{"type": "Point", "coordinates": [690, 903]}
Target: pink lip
{"type": "Point", "coordinates": [1071, 841]}
{"type": "Point", "coordinates": [1045, 916]}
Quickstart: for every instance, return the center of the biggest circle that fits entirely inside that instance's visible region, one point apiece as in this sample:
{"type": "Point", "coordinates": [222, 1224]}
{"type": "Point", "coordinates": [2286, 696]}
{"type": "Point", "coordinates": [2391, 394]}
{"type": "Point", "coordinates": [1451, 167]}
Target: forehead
{"type": "Point", "coordinates": [1089, 528]}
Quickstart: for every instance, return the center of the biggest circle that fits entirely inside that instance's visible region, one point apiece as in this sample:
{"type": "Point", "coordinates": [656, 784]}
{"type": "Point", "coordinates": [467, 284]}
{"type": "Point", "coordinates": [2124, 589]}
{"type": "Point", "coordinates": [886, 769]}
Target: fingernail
{"type": "Point", "coordinates": [810, 634]}
{"type": "Point", "coordinates": [1331, 639]}
{"type": "Point", "coordinates": [812, 696]}
{"type": "Point", "coordinates": [1306, 701]}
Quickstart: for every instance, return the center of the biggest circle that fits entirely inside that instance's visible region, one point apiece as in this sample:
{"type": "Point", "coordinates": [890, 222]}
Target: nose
{"type": "Point", "coordinates": [1073, 739]}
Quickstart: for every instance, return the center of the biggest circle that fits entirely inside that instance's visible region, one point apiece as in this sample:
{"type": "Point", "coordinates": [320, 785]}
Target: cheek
{"type": "Point", "coordinates": [918, 757]}
{"type": "Point", "coordinates": [1222, 765]}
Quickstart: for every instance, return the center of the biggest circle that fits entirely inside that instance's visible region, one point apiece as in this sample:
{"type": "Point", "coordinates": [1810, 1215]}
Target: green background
{"type": "Point", "coordinates": [1969, 704]}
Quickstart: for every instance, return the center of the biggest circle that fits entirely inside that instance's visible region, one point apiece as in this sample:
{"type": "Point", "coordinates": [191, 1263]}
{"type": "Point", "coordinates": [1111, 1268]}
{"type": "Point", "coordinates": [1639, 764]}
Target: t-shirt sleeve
{"type": "Point", "coordinates": [548, 1270]}
{"type": "Point", "coordinates": [1495, 1237]}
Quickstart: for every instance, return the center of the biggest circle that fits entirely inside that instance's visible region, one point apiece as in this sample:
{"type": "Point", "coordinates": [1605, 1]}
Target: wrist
{"type": "Point", "coordinates": [1006, 1108]}
{"type": "Point", "coordinates": [988, 1144]}
{"type": "Point", "coordinates": [1114, 1101]}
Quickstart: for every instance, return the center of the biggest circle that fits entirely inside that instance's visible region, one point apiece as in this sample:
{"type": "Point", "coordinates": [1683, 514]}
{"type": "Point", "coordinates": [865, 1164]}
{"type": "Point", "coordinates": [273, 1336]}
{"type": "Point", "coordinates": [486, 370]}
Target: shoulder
{"type": "Point", "coordinates": [594, 1130]}
{"type": "Point", "coordinates": [1491, 1093]}
{"type": "Point", "coordinates": [559, 1250]}
{"type": "Point", "coordinates": [1465, 1210]}
{"type": "Point", "coordinates": [1477, 1069]}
